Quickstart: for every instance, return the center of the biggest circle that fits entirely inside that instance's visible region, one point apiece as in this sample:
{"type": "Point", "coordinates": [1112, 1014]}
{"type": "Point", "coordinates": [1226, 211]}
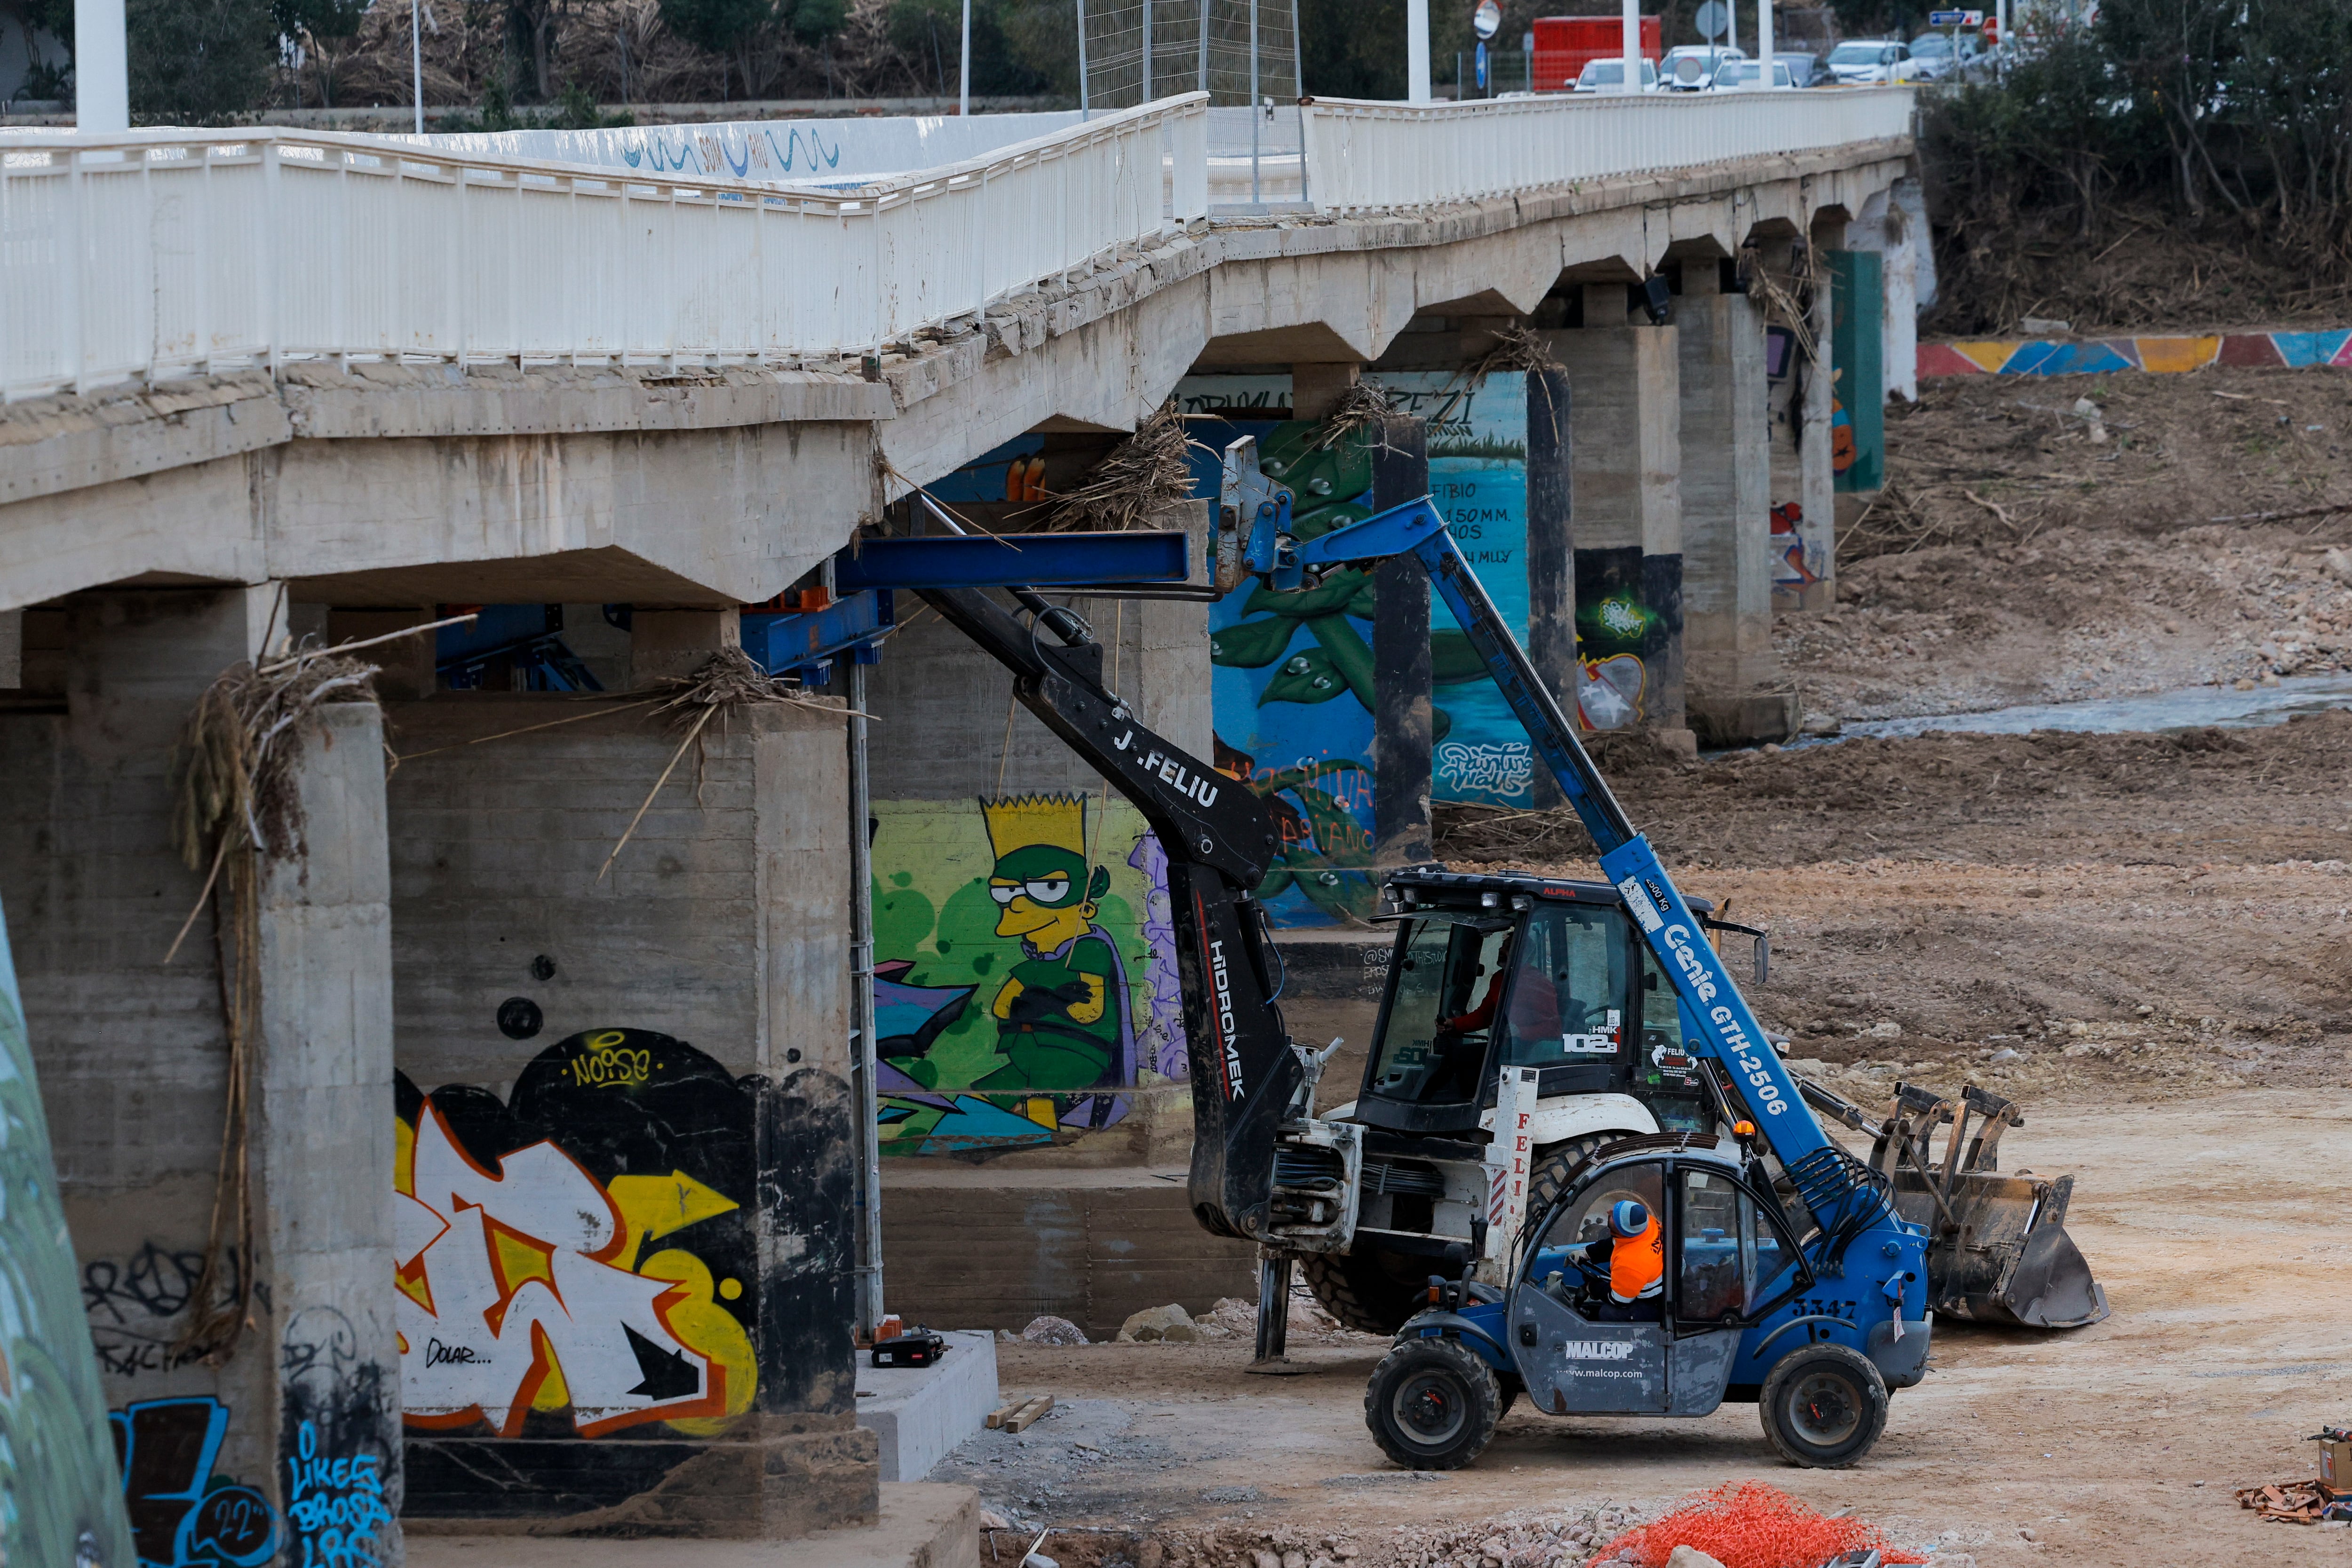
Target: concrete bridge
{"type": "Point", "coordinates": [263, 385]}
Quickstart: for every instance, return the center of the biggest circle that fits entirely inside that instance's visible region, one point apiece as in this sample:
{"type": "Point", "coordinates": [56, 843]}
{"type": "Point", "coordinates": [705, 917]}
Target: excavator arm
{"type": "Point", "coordinates": [1219, 840]}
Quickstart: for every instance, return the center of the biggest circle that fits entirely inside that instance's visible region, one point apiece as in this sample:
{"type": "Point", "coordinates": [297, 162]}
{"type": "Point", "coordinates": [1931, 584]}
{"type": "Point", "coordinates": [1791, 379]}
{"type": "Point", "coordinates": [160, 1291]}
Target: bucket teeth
{"type": "Point", "coordinates": [1998, 1251]}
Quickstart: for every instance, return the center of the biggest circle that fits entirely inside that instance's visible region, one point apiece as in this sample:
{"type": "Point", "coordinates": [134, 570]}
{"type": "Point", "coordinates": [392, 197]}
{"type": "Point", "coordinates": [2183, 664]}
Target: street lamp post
{"type": "Point", "coordinates": [1633, 14]}
{"type": "Point", "coordinates": [1416, 50]}
{"type": "Point", "coordinates": [101, 67]}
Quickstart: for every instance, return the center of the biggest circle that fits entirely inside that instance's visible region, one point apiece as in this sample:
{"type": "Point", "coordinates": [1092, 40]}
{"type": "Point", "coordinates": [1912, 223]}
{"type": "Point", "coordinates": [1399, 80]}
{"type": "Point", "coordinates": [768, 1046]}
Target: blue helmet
{"type": "Point", "coordinates": [1629, 1216]}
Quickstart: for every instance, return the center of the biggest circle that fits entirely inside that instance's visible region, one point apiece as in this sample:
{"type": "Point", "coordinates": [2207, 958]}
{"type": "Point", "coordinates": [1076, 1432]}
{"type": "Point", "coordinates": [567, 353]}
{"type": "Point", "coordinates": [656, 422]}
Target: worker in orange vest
{"type": "Point", "coordinates": [1633, 1255]}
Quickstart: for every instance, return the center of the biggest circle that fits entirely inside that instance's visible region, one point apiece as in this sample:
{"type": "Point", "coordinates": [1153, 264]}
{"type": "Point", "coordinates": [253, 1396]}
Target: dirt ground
{"type": "Point", "coordinates": [2114, 1445]}
{"type": "Point", "coordinates": [2145, 938]}
{"type": "Point", "coordinates": [2023, 552]}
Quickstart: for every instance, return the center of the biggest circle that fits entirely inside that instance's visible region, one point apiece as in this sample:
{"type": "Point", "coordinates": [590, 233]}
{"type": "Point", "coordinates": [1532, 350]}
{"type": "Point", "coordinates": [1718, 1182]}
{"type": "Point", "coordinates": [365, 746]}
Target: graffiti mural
{"type": "Point", "coordinates": [60, 1482]}
{"type": "Point", "coordinates": [582, 1249]}
{"type": "Point", "coordinates": [1293, 696]}
{"type": "Point", "coordinates": [134, 1305]}
{"type": "Point", "coordinates": [1628, 619]}
{"type": "Point", "coordinates": [1027, 973]}
{"type": "Point", "coordinates": [335, 1509]}
{"type": "Point", "coordinates": [1478, 479]}
{"type": "Point", "coordinates": [2157, 355]}
{"type": "Point", "coordinates": [182, 1513]}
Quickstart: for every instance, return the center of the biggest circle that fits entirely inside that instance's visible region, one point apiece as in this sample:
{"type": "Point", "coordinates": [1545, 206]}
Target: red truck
{"type": "Point", "coordinates": [1565, 44]}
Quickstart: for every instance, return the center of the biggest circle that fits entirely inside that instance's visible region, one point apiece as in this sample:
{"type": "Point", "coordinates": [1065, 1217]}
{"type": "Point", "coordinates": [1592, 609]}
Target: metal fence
{"type": "Point", "coordinates": [1237, 51]}
{"type": "Point", "coordinates": [148, 252]}
{"type": "Point", "coordinates": [1380, 155]}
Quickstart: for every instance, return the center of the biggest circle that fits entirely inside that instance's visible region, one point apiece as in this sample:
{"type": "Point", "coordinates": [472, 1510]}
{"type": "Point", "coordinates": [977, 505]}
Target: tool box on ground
{"type": "Point", "coordinates": [917, 1347]}
{"type": "Point", "coordinates": [2335, 1459]}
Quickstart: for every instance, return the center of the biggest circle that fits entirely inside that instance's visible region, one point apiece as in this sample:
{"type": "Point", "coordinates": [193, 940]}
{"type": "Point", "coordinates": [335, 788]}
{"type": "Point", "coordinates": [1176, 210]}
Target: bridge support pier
{"type": "Point", "coordinates": [1625, 466]}
{"type": "Point", "coordinates": [1727, 521]}
{"type": "Point", "coordinates": [301, 1413]}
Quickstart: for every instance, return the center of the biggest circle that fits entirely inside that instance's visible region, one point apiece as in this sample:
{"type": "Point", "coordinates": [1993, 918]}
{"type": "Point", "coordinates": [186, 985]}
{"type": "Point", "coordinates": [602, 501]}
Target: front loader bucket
{"type": "Point", "coordinates": [2003, 1256]}
{"type": "Point", "coordinates": [1998, 1251]}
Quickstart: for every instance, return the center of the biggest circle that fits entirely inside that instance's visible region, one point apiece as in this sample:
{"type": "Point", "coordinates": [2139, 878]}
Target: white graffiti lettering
{"type": "Point", "coordinates": [502, 1274]}
{"type": "Point", "coordinates": [1505, 769]}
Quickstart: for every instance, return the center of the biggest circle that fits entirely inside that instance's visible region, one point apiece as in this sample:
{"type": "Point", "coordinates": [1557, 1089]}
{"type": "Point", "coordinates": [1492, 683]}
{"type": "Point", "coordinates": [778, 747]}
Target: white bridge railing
{"type": "Point", "coordinates": [1364, 155]}
{"type": "Point", "coordinates": [149, 254]}
{"type": "Point", "coordinates": [145, 254]}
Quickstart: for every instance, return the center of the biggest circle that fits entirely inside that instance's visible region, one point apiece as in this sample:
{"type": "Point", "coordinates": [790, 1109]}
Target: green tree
{"type": "Point", "coordinates": [1354, 48]}
{"type": "Point", "coordinates": [815, 21]}
{"type": "Point", "coordinates": [199, 62]}
{"type": "Point", "coordinates": [728, 28]}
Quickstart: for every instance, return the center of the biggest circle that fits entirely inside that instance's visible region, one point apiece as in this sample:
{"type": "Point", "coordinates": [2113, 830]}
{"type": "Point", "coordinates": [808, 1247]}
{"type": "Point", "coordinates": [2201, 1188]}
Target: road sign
{"type": "Point", "coordinates": [1487, 19]}
{"type": "Point", "coordinates": [1950, 18]}
{"type": "Point", "coordinates": [1712, 20]}
{"type": "Point", "coordinates": [1482, 62]}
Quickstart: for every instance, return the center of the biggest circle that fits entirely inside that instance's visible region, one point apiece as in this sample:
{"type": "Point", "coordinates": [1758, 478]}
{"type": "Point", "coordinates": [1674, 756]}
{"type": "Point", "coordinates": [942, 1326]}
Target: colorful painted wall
{"type": "Point", "coordinates": [2160, 355]}
{"type": "Point", "coordinates": [1293, 690]}
{"type": "Point", "coordinates": [576, 1260]}
{"type": "Point", "coordinates": [1025, 989]}
{"type": "Point", "coordinates": [61, 1490]}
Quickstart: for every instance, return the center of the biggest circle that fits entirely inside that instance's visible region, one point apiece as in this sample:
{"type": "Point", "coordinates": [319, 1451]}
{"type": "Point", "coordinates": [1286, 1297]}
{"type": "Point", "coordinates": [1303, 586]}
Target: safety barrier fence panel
{"type": "Point", "coordinates": [152, 253]}
{"type": "Point", "coordinates": [1363, 155]}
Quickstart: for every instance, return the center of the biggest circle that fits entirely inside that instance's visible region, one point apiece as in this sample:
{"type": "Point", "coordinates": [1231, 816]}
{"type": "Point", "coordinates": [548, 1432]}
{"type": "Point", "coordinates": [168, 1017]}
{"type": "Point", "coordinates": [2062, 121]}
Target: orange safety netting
{"type": "Point", "coordinates": [1746, 1524]}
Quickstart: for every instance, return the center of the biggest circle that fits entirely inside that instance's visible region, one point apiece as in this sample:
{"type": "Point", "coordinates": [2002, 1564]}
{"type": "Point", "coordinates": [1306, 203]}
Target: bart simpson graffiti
{"type": "Point", "coordinates": [1029, 982]}
{"type": "Point", "coordinates": [524, 1240]}
{"type": "Point", "coordinates": [182, 1513]}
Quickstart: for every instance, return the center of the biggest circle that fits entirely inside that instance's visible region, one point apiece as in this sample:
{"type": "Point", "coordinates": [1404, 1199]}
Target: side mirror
{"type": "Point", "coordinates": [1763, 944]}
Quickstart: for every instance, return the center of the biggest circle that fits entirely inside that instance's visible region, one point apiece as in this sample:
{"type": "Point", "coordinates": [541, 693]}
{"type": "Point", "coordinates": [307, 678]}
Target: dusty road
{"type": "Point", "coordinates": [2216, 1222]}
{"type": "Point", "coordinates": [2145, 938]}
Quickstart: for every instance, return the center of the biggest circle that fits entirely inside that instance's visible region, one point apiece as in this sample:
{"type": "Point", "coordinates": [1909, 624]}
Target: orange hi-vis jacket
{"type": "Point", "coordinates": [1637, 1265]}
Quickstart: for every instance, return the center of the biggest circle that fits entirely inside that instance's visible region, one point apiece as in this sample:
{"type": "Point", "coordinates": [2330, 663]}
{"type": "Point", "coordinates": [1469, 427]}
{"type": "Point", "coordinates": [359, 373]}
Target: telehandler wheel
{"type": "Point", "coordinates": [1823, 1406]}
{"type": "Point", "coordinates": [1363, 1290]}
{"type": "Point", "coordinates": [1432, 1405]}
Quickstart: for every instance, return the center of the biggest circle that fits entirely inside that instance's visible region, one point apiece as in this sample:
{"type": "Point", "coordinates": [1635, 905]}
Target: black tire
{"type": "Point", "coordinates": [1555, 1166]}
{"type": "Point", "coordinates": [1432, 1405]}
{"type": "Point", "coordinates": [1823, 1406]}
{"type": "Point", "coordinates": [1369, 1291]}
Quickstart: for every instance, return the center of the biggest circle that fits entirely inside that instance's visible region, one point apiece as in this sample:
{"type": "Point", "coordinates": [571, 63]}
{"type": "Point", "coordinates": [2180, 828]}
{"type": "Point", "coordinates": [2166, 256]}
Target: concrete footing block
{"type": "Point", "coordinates": [918, 1412]}
{"type": "Point", "coordinates": [1749, 720]}
{"type": "Point", "coordinates": [918, 1525]}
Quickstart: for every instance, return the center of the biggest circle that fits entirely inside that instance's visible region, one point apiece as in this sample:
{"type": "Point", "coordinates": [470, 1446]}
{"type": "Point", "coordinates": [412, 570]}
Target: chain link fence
{"type": "Point", "coordinates": [1243, 53]}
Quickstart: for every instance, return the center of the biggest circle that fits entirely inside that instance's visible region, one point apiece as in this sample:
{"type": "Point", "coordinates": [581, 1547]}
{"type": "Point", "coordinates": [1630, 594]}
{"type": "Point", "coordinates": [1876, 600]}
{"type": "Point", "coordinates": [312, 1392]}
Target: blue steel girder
{"type": "Point", "coordinates": [807, 642]}
{"type": "Point", "coordinates": [1021, 559]}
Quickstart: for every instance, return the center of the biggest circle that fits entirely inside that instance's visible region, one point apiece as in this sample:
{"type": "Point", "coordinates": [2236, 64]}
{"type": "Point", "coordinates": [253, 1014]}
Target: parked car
{"type": "Point", "coordinates": [1871, 62]}
{"type": "Point", "coordinates": [1608, 75]}
{"type": "Point", "coordinates": [1804, 70]}
{"type": "Point", "coordinates": [1689, 68]}
{"type": "Point", "coordinates": [1943, 58]}
{"type": "Point", "coordinates": [1745, 73]}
